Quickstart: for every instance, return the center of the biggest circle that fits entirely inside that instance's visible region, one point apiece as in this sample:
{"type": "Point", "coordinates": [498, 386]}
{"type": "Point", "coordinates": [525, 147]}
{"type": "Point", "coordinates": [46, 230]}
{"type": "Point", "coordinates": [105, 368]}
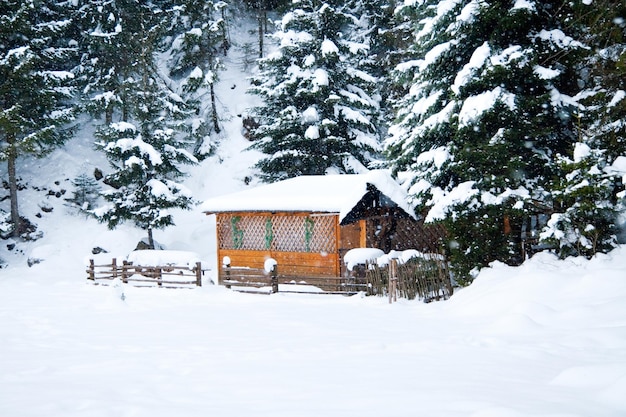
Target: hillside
{"type": "Point", "coordinates": [545, 339]}
{"type": "Point", "coordinates": [48, 183]}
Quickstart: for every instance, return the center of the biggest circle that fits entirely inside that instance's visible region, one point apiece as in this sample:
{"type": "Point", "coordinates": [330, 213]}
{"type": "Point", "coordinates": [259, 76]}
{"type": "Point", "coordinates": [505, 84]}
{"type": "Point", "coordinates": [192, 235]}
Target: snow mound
{"type": "Point", "coordinates": [360, 256]}
{"type": "Point", "coordinates": [164, 258]}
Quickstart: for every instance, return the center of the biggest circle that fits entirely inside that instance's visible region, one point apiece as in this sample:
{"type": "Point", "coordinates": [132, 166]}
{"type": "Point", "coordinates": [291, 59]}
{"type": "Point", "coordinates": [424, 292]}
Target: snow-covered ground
{"type": "Point", "coordinates": [544, 339]}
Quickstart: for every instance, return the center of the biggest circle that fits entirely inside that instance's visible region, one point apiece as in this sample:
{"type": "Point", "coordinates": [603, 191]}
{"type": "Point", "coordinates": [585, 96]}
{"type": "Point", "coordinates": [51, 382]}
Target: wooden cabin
{"type": "Point", "coordinates": [308, 223]}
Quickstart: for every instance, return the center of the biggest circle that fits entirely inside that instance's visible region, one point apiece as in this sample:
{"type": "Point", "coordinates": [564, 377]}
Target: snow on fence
{"type": "Point", "coordinates": [171, 275]}
{"type": "Point", "coordinates": [269, 280]}
{"type": "Point", "coordinates": [409, 274]}
{"type": "Point", "coordinates": [406, 274]}
{"type": "Point", "coordinates": [425, 277]}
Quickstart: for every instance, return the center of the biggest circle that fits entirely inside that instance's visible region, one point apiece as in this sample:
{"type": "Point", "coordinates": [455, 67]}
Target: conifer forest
{"type": "Point", "coordinates": [505, 120]}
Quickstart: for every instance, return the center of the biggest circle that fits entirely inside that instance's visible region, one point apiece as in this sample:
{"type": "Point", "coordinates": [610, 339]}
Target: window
{"type": "Point", "coordinates": [290, 233]}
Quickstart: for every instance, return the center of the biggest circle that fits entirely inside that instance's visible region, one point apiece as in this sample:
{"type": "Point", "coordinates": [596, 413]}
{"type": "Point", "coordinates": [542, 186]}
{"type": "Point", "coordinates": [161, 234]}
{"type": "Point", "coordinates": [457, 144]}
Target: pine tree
{"type": "Point", "coordinates": [319, 107]}
{"type": "Point", "coordinates": [109, 49]}
{"type": "Point", "coordinates": [589, 198]}
{"type": "Point", "coordinates": [586, 211]}
{"type": "Point", "coordinates": [488, 108]}
{"type": "Point", "coordinates": [35, 84]}
{"type": "Point", "coordinates": [86, 193]}
{"type": "Point", "coordinates": [198, 40]}
{"type": "Point", "coordinates": [144, 146]}
{"type": "Point", "coordinates": [605, 81]}
{"type": "Point", "coordinates": [374, 27]}
{"type": "Point", "coordinates": [143, 184]}
{"type": "Point", "coordinates": [261, 8]}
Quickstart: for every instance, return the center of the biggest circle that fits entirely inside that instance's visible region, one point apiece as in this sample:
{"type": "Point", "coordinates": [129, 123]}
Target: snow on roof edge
{"type": "Point", "coordinates": [316, 193]}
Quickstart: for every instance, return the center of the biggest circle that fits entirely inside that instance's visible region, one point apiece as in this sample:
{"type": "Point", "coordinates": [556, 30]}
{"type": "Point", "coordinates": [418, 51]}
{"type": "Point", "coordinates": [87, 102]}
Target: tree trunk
{"type": "Point", "coordinates": [260, 15]}
{"type": "Point", "coordinates": [214, 118]}
{"type": "Point", "coordinates": [225, 40]}
{"type": "Point", "coordinates": [150, 239]}
{"type": "Point", "coordinates": [125, 110]}
{"type": "Point", "coordinates": [15, 214]}
{"type": "Point", "coordinates": [108, 115]}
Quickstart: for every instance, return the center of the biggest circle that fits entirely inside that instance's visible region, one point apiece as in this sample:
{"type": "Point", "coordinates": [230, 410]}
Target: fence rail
{"type": "Point", "coordinates": [139, 275]}
{"type": "Point", "coordinates": [426, 278]}
{"type": "Point", "coordinates": [259, 280]}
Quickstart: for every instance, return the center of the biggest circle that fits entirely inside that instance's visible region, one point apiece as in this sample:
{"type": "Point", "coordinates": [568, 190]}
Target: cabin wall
{"type": "Point", "coordinates": [352, 235]}
{"type": "Point", "coordinates": [314, 243]}
{"type": "Point", "coordinates": [390, 232]}
{"type": "Point", "coordinates": [289, 263]}
{"type": "Point", "coordinates": [301, 243]}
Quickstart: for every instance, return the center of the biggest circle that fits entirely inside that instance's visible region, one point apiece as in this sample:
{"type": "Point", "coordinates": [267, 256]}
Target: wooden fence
{"type": "Point", "coordinates": [141, 276]}
{"type": "Point", "coordinates": [258, 280]}
{"type": "Point", "coordinates": [425, 278]}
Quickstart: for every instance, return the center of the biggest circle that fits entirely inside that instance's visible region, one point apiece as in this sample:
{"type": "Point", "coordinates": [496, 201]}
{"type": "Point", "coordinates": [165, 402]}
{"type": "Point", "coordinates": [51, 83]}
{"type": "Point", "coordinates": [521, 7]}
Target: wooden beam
{"type": "Point", "coordinates": [363, 233]}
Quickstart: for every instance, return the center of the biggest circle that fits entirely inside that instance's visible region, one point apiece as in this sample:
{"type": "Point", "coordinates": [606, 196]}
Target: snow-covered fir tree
{"type": "Point", "coordinates": [488, 108]}
{"type": "Point", "coordinates": [109, 49]}
{"type": "Point", "coordinates": [319, 107]}
{"type": "Point", "coordinates": [261, 9]}
{"type": "Point", "coordinates": [199, 38]}
{"type": "Point", "coordinates": [589, 199]}
{"type": "Point", "coordinates": [604, 113]}
{"type": "Point", "coordinates": [36, 76]}
{"type": "Point", "coordinates": [374, 26]}
{"type": "Point", "coordinates": [584, 200]}
{"type": "Point", "coordinates": [142, 124]}
{"type": "Point", "coordinates": [86, 192]}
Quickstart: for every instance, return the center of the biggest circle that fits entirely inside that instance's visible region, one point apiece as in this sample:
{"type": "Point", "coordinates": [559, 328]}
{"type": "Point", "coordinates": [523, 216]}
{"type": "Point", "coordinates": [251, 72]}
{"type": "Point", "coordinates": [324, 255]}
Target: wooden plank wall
{"type": "Point", "coordinates": [389, 233]}
{"type": "Point", "coordinates": [289, 263]}
{"type": "Point", "coordinates": [314, 263]}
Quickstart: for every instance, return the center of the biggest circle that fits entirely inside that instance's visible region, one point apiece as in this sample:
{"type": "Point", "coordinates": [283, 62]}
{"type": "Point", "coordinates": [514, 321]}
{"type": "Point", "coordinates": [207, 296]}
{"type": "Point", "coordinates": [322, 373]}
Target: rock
{"type": "Point", "coordinates": [98, 250]}
{"type": "Point", "coordinates": [33, 261]}
{"type": "Point", "coordinates": [143, 246]}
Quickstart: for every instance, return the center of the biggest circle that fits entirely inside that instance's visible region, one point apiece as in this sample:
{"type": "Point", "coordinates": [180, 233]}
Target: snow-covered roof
{"type": "Point", "coordinates": [315, 193]}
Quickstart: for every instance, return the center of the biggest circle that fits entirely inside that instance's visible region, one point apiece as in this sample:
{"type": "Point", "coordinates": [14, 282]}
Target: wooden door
{"type": "Point", "coordinates": [351, 236]}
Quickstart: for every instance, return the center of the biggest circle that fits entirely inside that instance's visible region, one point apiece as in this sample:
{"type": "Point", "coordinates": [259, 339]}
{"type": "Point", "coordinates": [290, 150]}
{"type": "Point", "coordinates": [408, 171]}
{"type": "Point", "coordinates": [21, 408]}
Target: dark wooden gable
{"type": "Point", "coordinates": [373, 204]}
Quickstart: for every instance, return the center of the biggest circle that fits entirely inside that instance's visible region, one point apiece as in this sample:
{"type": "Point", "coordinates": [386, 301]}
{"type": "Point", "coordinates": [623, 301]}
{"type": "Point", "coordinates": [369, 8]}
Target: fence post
{"type": "Point", "coordinates": [393, 279]}
{"type": "Point", "coordinates": [198, 274]}
{"type": "Point", "coordinates": [124, 273]}
{"type": "Point", "coordinates": [226, 266]}
{"type": "Point", "coordinates": [351, 280]}
{"type": "Point", "coordinates": [91, 271]}
{"type": "Point", "coordinates": [114, 267]}
{"type": "Point", "coordinates": [444, 273]}
{"type": "Point", "coordinates": [274, 277]}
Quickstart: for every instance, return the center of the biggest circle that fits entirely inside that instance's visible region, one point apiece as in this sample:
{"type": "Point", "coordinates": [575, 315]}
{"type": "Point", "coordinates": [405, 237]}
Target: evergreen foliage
{"type": "Point", "coordinates": [143, 184]}
{"type": "Point", "coordinates": [373, 26]}
{"type": "Point", "coordinates": [110, 48]}
{"type": "Point", "coordinates": [198, 40]}
{"type": "Point", "coordinates": [86, 193]}
{"type": "Point", "coordinates": [488, 109]}
{"type": "Point", "coordinates": [502, 110]}
{"type": "Point", "coordinates": [144, 146]}
{"type": "Point", "coordinates": [261, 8]}
{"type": "Point", "coordinates": [320, 107]}
{"type": "Point", "coordinates": [586, 210]}
{"type": "Point", "coordinates": [35, 84]}
{"type": "Point", "coordinates": [589, 198]}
